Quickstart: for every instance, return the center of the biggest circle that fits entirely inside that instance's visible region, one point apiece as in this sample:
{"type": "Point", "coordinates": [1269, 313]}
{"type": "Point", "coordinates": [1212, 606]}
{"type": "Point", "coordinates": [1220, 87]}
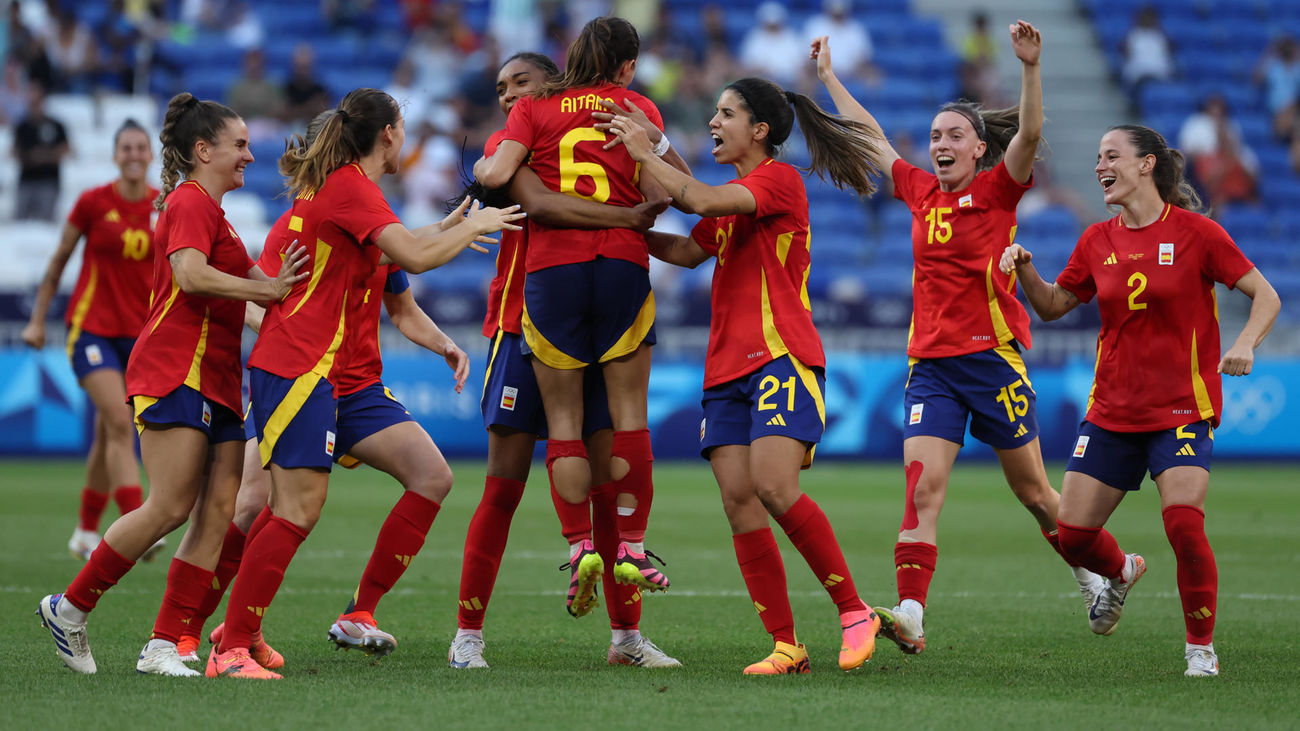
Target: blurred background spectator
{"type": "Point", "coordinates": [1279, 73]}
{"type": "Point", "coordinates": [304, 95]}
{"type": "Point", "coordinates": [979, 63]}
{"type": "Point", "coordinates": [852, 41]}
{"type": "Point", "coordinates": [40, 144]}
{"type": "Point", "coordinates": [772, 49]}
{"type": "Point", "coordinates": [254, 97]}
{"type": "Point", "coordinates": [1221, 164]}
{"type": "Point", "coordinates": [1148, 53]}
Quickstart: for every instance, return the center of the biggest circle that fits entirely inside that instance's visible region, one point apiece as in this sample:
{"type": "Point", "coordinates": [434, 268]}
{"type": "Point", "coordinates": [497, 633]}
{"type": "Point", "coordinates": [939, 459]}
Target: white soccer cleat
{"type": "Point", "coordinates": [904, 628]}
{"type": "Point", "coordinates": [1109, 605]}
{"type": "Point", "coordinates": [83, 543]}
{"type": "Point", "coordinates": [1090, 585]}
{"type": "Point", "coordinates": [359, 630]}
{"type": "Point", "coordinates": [466, 652]}
{"type": "Point", "coordinates": [152, 552]}
{"type": "Point", "coordinates": [160, 657]}
{"type": "Point", "coordinates": [70, 640]}
{"type": "Point", "coordinates": [1202, 662]}
{"type": "Point", "coordinates": [641, 653]}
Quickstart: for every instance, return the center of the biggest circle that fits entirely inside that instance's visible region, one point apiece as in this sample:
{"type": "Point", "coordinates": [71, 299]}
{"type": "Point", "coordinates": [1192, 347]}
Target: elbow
{"type": "Point", "coordinates": [492, 179]}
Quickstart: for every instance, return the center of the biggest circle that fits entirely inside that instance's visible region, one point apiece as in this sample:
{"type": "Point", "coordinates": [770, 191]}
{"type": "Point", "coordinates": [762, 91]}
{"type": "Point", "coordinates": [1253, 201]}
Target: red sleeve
{"type": "Point", "coordinates": [519, 124]}
{"type": "Point", "coordinates": [83, 213]}
{"type": "Point", "coordinates": [270, 260]}
{"type": "Point", "coordinates": [774, 192]}
{"type": "Point", "coordinates": [1003, 189]}
{"type": "Point", "coordinates": [908, 179]}
{"type": "Point", "coordinates": [1223, 261]}
{"type": "Point", "coordinates": [490, 146]}
{"type": "Point", "coordinates": [364, 214]}
{"type": "Point", "coordinates": [194, 224]}
{"type": "Point", "coordinates": [1076, 278]}
{"type": "Point", "coordinates": [705, 234]}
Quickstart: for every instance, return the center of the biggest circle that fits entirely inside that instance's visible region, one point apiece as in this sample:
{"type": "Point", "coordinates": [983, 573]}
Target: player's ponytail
{"type": "Point", "coordinates": [996, 127]}
{"type": "Point", "coordinates": [345, 134]}
{"type": "Point", "coordinates": [187, 121]}
{"type": "Point", "coordinates": [1170, 166]}
{"type": "Point", "coordinates": [846, 152]}
{"type": "Point", "coordinates": [596, 55]}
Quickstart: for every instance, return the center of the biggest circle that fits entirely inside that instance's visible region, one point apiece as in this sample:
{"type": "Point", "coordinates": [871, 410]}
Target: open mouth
{"type": "Point", "coordinates": [943, 162]}
{"type": "Point", "coordinates": [717, 142]}
{"type": "Point", "coordinates": [1106, 181]}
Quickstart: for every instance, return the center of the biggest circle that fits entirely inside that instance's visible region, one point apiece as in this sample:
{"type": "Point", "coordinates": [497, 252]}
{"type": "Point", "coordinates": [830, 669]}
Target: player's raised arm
{"type": "Point", "coordinates": [1027, 42]}
{"type": "Point", "coordinates": [846, 105]}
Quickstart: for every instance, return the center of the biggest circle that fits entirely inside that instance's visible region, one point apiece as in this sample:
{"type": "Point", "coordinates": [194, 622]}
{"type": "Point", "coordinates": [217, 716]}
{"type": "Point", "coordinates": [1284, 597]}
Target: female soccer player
{"type": "Point", "coordinates": [1157, 394]}
{"type": "Point", "coordinates": [105, 313]}
{"type": "Point", "coordinates": [967, 326]}
{"type": "Point", "coordinates": [587, 298]}
{"type": "Point", "coordinates": [513, 415]}
{"type": "Point", "coordinates": [184, 381]}
{"type": "Point", "coordinates": [764, 373]}
{"type": "Point", "coordinates": [302, 348]}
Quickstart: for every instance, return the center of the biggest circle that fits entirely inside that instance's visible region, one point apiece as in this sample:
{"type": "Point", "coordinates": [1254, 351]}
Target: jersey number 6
{"type": "Point", "coordinates": [571, 170]}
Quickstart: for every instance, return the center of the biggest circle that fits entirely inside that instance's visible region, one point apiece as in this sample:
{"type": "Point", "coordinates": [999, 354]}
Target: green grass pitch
{"type": "Point", "coordinates": [1008, 639]}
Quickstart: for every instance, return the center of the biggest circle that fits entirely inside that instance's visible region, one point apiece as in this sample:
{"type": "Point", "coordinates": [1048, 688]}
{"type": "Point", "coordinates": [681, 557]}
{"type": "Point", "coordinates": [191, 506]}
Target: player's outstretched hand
{"type": "Point", "coordinates": [1237, 361]}
{"type": "Point", "coordinates": [490, 220]}
{"type": "Point", "coordinates": [648, 211]}
{"type": "Point", "coordinates": [458, 362]}
{"type": "Point", "coordinates": [291, 270]}
{"type": "Point", "coordinates": [632, 112]}
{"type": "Point", "coordinates": [34, 333]}
{"type": "Point", "coordinates": [1013, 256]}
{"type": "Point", "coordinates": [821, 53]}
{"type": "Point", "coordinates": [1026, 41]}
{"type": "Point", "coordinates": [456, 216]}
{"type": "Point", "coordinates": [632, 136]}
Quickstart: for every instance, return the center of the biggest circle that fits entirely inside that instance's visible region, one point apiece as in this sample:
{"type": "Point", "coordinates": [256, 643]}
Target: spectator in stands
{"type": "Point", "coordinates": [436, 61]}
{"type": "Point", "coordinates": [516, 25]}
{"type": "Point", "coordinates": [1221, 163]}
{"type": "Point", "coordinates": [979, 72]}
{"type": "Point", "coordinates": [40, 143]}
{"type": "Point", "coordinates": [243, 26]}
{"type": "Point", "coordinates": [304, 95]}
{"type": "Point", "coordinates": [1279, 71]}
{"type": "Point", "coordinates": [772, 50]}
{"type": "Point", "coordinates": [13, 92]}
{"type": "Point", "coordinates": [253, 96]}
{"type": "Point", "coordinates": [349, 15]}
{"type": "Point", "coordinates": [70, 46]}
{"type": "Point", "coordinates": [714, 33]}
{"type": "Point", "coordinates": [119, 35]}
{"type": "Point", "coordinates": [1147, 51]}
{"type": "Point", "coordinates": [852, 41]}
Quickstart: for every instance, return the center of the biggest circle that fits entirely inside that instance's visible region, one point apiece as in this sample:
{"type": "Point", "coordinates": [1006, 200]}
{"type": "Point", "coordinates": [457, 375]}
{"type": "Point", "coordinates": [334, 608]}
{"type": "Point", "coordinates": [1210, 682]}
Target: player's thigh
{"type": "Point", "coordinates": [745, 512]}
{"type": "Point", "coordinates": [561, 390]}
{"type": "Point", "coordinates": [107, 391]}
{"type": "Point", "coordinates": [1086, 502]}
{"type": "Point", "coordinates": [774, 464]}
{"type": "Point", "coordinates": [1183, 486]}
{"type": "Point", "coordinates": [627, 383]}
{"type": "Point", "coordinates": [936, 456]}
{"type": "Point", "coordinates": [510, 453]}
{"type": "Point", "coordinates": [1180, 463]}
{"type": "Point", "coordinates": [1026, 474]}
{"type": "Point", "coordinates": [407, 452]}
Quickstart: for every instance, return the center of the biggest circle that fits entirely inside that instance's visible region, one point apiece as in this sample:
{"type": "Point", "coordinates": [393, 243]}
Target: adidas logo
{"type": "Point", "coordinates": [113, 216]}
{"type": "Point", "coordinates": [1111, 259]}
{"type": "Point", "coordinates": [902, 566]}
{"type": "Point", "coordinates": [404, 560]}
{"type": "Point", "coordinates": [777, 420]}
{"type": "Point", "coordinates": [1021, 431]}
{"type": "Point", "coordinates": [1202, 613]}
{"type": "Point", "coordinates": [1186, 451]}
{"type": "Point", "coordinates": [760, 607]}
{"type": "Point", "coordinates": [832, 580]}
{"type": "Point", "coordinates": [472, 604]}
{"type": "Point", "coordinates": [259, 611]}
{"type": "Point", "coordinates": [186, 621]}
{"type": "Point", "coordinates": [636, 597]}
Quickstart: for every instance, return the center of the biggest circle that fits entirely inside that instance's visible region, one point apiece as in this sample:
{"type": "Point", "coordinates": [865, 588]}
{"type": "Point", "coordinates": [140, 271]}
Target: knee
{"type": "Point", "coordinates": [1038, 497]}
{"type": "Point", "coordinates": [117, 425]}
{"type": "Point", "coordinates": [169, 515]}
{"type": "Point", "coordinates": [433, 484]}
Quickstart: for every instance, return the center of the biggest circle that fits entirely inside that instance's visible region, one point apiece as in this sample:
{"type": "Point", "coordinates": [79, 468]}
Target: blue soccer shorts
{"type": "Point", "coordinates": [365, 413]}
{"type": "Point", "coordinates": [90, 352]}
{"type": "Point", "coordinates": [511, 398]}
{"type": "Point", "coordinates": [188, 408]}
{"type": "Point", "coordinates": [577, 315]}
{"type": "Point", "coordinates": [991, 388]}
{"type": "Point", "coordinates": [1122, 459]}
{"type": "Point", "coordinates": [296, 418]}
{"type": "Point", "coordinates": [783, 398]}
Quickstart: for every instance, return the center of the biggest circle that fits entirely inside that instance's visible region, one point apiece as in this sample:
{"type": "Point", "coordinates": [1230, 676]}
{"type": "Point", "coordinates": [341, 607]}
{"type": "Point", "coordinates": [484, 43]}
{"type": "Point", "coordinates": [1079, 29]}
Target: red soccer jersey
{"type": "Point", "coordinates": [760, 284]}
{"type": "Point", "coordinates": [961, 301]}
{"type": "Point", "coordinates": [277, 240]}
{"type": "Point", "coordinates": [1158, 349]}
{"type": "Point", "coordinates": [567, 155]}
{"type": "Point", "coordinates": [362, 363]}
{"type": "Point", "coordinates": [303, 333]}
{"type": "Point", "coordinates": [111, 298]}
{"type": "Point", "coordinates": [187, 339]}
{"type": "Point", "coordinates": [506, 292]}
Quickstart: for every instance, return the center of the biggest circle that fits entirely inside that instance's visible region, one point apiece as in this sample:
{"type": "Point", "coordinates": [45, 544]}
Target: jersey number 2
{"type": "Point", "coordinates": [571, 170]}
{"type": "Point", "coordinates": [1138, 281]}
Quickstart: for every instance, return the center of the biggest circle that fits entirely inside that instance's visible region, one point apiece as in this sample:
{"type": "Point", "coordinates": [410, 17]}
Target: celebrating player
{"type": "Point", "coordinates": [104, 316]}
{"type": "Point", "coordinates": [513, 415]}
{"type": "Point", "coordinates": [184, 380]}
{"type": "Point", "coordinates": [764, 374]}
{"type": "Point", "coordinates": [1157, 394]}
{"type": "Point", "coordinates": [302, 349]}
{"type": "Point", "coordinates": [587, 298]}
{"type": "Point", "coordinates": [967, 326]}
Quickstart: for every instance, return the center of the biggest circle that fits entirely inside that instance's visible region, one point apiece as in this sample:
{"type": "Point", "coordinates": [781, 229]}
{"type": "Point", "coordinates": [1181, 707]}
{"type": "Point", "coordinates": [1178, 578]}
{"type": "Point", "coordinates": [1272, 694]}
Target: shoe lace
{"type": "Point", "coordinates": [655, 556]}
{"type": "Point", "coordinates": [77, 639]}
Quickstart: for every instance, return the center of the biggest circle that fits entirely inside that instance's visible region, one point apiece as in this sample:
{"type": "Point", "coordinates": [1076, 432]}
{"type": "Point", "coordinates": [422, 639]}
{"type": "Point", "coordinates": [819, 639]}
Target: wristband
{"type": "Point", "coordinates": [661, 147]}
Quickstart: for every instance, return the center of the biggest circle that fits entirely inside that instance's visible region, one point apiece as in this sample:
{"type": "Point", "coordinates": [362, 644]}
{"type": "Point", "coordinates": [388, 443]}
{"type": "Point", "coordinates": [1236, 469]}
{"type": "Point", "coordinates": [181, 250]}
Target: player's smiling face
{"type": "Point", "coordinates": [517, 78]}
{"type": "Point", "coordinates": [731, 128]}
{"type": "Point", "coordinates": [230, 153]}
{"type": "Point", "coordinates": [954, 148]}
{"type": "Point", "coordinates": [132, 155]}
{"type": "Point", "coordinates": [1119, 169]}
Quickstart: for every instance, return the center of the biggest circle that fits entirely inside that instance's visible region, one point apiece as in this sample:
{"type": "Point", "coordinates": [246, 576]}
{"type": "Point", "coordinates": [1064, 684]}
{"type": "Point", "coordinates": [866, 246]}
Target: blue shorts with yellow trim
{"type": "Point", "coordinates": [188, 408]}
{"type": "Point", "coordinates": [363, 414]}
{"type": "Point", "coordinates": [577, 315]}
{"type": "Point", "coordinates": [296, 418]}
{"type": "Point", "coordinates": [991, 388]}
{"type": "Point", "coordinates": [90, 352]}
{"type": "Point", "coordinates": [511, 398]}
{"type": "Point", "coordinates": [783, 398]}
{"type": "Point", "coordinates": [250, 427]}
{"type": "Point", "coordinates": [1122, 459]}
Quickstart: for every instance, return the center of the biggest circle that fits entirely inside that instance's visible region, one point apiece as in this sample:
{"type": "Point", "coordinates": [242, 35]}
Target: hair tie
{"type": "Point", "coordinates": [344, 116]}
{"type": "Point", "coordinates": [791, 97]}
{"type": "Point", "coordinates": [191, 103]}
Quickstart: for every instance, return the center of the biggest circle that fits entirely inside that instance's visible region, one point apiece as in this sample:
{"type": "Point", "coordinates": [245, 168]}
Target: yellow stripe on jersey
{"type": "Point", "coordinates": [911, 363]}
{"type": "Point", "coordinates": [167, 306]}
{"type": "Point", "coordinates": [141, 404]}
{"type": "Point", "coordinates": [193, 379]}
{"type": "Point", "coordinates": [1203, 404]}
{"type": "Point", "coordinates": [83, 307]}
{"type": "Point", "coordinates": [775, 345]}
{"type": "Point", "coordinates": [319, 260]}
{"type": "Point", "coordinates": [505, 292]}
{"type": "Point", "coordinates": [295, 223]}
{"type": "Point", "coordinates": [783, 246]}
{"type": "Point", "coordinates": [326, 362]}
{"type": "Point", "coordinates": [1092, 392]}
{"type": "Point", "coordinates": [492, 357]}
{"type": "Point", "coordinates": [1000, 329]}
{"type": "Point", "coordinates": [632, 338]}
{"type": "Point", "coordinates": [284, 412]}
{"type": "Point", "coordinates": [803, 290]}
{"type": "Point", "coordinates": [542, 348]}
{"type": "Point", "coordinates": [1014, 360]}
{"type": "Point", "coordinates": [911, 324]}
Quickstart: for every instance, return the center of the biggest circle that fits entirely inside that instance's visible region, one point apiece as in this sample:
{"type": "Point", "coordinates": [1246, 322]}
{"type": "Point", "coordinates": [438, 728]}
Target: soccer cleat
{"type": "Point", "coordinates": [1202, 662]}
{"type": "Point", "coordinates": [1090, 586]}
{"type": "Point", "coordinates": [359, 630]}
{"type": "Point", "coordinates": [1105, 611]}
{"type": "Point", "coordinates": [152, 552]}
{"type": "Point", "coordinates": [83, 543]}
{"type": "Point", "coordinates": [641, 653]}
{"type": "Point", "coordinates": [188, 648]}
{"type": "Point", "coordinates": [585, 570]}
{"type": "Point", "coordinates": [904, 629]}
{"type": "Point", "coordinates": [70, 641]}
{"type": "Point", "coordinates": [786, 659]}
{"type": "Point", "coordinates": [237, 663]}
{"type": "Point", "coordinates": [262, 653]}
{"type": "Point", "coordinates": [635, 568]}
{"type": "Point", "coordinates": [466, 652]}
{"type": "Point", "coordinates": [160, 657]}
{"type": "Point", "coordinates": [859, 633]}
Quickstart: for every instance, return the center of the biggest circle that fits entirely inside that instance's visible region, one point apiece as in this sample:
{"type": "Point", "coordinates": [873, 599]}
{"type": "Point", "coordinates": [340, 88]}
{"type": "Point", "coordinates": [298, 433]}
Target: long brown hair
{"type": "Point", "coordinates": [1170, 166]}
{"type": "Point", "coordinates": [996, 127]}
{"type": "Point", "coordinates": [846, 152]}
{"type": "Point", "coordinates": [187, 121]}
{"type": "Point", "coordinates": [347, 135]}
{"type": "Point", "coordinates": [596, 55]}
